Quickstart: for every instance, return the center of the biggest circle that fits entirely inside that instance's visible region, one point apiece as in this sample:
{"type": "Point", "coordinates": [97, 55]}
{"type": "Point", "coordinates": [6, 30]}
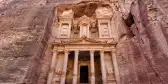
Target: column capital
{"type": "Point", "coordinates": [101, 51]}
{"type": "Point", "coordinates": [54, 50]}
{"type": "Point", "coordinates": [113, 49]}
{"type": "Point", "coordinates": [76, 51]}
{"type": "Point", "coordinates": [63, 73]}
{"type": "Point", "coordinates": [66, 51]}
{"type": "Point", "coordinates": [92, 51]}
{"type": "Point", "coordinates": [75, 75]}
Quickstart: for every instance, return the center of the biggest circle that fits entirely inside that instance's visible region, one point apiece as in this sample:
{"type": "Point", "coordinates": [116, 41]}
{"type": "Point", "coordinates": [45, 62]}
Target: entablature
{"type": "Point", "coordinates": [84, 44]}
{"type": "Point", "coordinates": [84, 41]}
{"type": "Point", "coordinates": [83, 48]}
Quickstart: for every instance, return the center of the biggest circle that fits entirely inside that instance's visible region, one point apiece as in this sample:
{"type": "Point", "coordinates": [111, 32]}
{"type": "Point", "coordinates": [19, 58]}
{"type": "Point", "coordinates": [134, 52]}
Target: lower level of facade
{"type": "Point", "coordinates": [83, 62]}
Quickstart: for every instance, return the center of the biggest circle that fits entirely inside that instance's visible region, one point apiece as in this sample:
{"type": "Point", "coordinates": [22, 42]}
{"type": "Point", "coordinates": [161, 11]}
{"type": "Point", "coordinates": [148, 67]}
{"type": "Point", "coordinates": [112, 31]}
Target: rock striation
{"type": "Point", "coordinates": [26, 36]}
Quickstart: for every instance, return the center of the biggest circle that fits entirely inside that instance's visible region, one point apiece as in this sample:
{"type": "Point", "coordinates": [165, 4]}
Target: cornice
{"type": "Point", "coordinates": [84, 41]}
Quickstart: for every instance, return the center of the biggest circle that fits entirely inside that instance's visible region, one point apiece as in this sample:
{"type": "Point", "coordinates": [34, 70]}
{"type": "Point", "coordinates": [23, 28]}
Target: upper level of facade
{"type": "Point", "coordinates": [87, 19]}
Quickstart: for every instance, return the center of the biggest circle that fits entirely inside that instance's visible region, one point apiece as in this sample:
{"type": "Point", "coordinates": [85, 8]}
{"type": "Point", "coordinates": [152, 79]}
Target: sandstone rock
{"type": "Point", "coordinates": [25, 37]}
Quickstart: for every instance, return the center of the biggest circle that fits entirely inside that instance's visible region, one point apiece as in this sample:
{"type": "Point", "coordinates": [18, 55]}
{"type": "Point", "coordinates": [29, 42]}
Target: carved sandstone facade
{"type": "Point", "coordinates": [35, 32]}
{"type": "Point", "coordinates": [84, 45]}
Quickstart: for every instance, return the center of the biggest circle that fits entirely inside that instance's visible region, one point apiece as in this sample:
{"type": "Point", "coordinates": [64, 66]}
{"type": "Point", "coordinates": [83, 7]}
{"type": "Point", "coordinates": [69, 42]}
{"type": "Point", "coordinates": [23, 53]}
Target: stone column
{"type": "Point", "coordinates": [103, 67]}
{"type": "Point", "coordinates": [75, 70]}
{"type": "Point", "coordinates": [63, 77]}
{"type": "Point", "coordinates": [53, 62]}
{"type": "Point", "coordinates": [92, 67]}
{"type": "Point", "coordinates": [116, 70]}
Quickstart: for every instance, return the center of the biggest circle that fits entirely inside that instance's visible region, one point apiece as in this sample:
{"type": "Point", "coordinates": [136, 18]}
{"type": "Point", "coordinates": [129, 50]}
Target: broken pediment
{"type": "Point", "coordinates": [88, 8]}
{"type": "Point", "coordinates": [67, 14]}
{"type": "Point", "coordinates": [104, 12]}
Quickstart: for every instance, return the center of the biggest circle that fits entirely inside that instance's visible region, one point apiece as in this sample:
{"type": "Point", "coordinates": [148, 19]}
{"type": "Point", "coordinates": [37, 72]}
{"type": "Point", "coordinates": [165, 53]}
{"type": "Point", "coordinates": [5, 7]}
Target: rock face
{"type": "Point", "coordinates": [25, 50]}
{"type": "Point", "coordinates": [142, 58]}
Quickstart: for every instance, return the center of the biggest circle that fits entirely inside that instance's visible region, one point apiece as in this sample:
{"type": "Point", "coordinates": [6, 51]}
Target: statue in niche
{"type": "Point", "coordinates": [84, 29]}
{"type": "Point", "coordinates": [84, 24]}
{"type": "Point", "coordinates": [64, 30]}
{"type": "Point", "coordinates": [58, 71]}
{"type": "Point", "coordinates": [110, 71]}
{"type": "Point", "coordinates": [105, 30]}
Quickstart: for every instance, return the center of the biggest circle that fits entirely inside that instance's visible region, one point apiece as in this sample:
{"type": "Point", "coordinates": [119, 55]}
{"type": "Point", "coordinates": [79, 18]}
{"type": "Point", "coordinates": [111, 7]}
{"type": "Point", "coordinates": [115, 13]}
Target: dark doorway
{"type": "Point", "coordinates": [84, 74]}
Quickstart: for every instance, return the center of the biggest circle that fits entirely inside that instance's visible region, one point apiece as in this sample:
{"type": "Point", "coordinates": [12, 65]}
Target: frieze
{"type": "Point", "coordinates": [85, 40]}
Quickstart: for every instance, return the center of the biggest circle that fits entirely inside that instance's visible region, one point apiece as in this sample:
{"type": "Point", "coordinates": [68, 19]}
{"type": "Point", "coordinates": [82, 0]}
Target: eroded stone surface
{"type": "Point", "coordinates": [142, 57]}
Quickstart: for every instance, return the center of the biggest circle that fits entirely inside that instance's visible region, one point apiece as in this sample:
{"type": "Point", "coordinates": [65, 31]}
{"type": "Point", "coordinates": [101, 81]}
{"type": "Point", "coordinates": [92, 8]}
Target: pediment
{"type": "Point", "coordinates": [85, 41]}
{"type": "Point", "coordinates": [67, 14]}
{"type": "Point", "coordinates": [104, 12]}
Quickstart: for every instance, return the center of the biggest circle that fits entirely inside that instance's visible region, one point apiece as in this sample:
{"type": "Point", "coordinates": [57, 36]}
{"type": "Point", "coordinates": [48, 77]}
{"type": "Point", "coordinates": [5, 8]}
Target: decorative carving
{"type": "Point", "coordinates": [64, 30]}
{"type": "Point", "coordinates": [84, 40]}
{"type": "Point", "coordinates": [65, 51]}
{"type": "Point", "coordinates": [92, 51]}
{"type": "Point", "coordinates": [84, 19]}
{"type": "Point", "coordinates": [58, 71]}
{"type": "Point", "coordinates": [56, 80]}
{"type": "Point", "coordinates": [67, 14]}
{"type": "Point", "coordinates": [113, 49]}
{"type": "Point", "coordinates": [54, 50]}
{"type": "Point", "coordinates": [75, 75]}
{"type": "Point", "coordinates": [80, 33]}
{"type": "Point", "coordinates": [84, 30]}
{"type": "Point", "coordinates": [104, 12]}
{"type": "Point", "coordinates": [109, 71]}
{"type": "Point", "coordinates": [105, 30]}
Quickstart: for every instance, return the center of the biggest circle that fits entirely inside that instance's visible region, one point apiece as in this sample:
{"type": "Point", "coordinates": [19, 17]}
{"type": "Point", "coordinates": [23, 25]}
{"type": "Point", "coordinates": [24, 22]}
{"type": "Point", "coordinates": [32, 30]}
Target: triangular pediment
{"type": "Point", "coordinates": [84, 41]}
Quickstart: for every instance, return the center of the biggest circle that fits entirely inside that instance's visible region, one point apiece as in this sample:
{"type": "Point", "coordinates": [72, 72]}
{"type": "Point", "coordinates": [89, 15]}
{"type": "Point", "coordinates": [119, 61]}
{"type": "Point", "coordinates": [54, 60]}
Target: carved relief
{"type": "Point", "coordinates": [64, 30]}
{"type": "Point", "coordinates": [105, 30]}
{"type": "Point", "coordinates": [89, 31]}
{"type": "Point", "coordinates": [58, 71]}
{"type": "Point", "coordinates": [84, 30]}
{"type": "Point", "coordinates": [104, 12]}
{"type": "Point", "coordinates": [87, 26]}
{"type": "Point", "coordinates": [110, 71]}
{"type": "Point", "coordinates": [67, 14]}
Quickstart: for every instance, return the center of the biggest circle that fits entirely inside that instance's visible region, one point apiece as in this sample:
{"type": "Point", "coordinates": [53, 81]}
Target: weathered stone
{"type": "Point", "coordinates": [26, 36]}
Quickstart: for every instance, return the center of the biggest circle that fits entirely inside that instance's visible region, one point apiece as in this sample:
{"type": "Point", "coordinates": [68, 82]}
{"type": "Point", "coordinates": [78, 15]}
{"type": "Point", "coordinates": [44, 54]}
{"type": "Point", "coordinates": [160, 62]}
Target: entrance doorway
{"type": "Point", "coordinates": [84, 78]}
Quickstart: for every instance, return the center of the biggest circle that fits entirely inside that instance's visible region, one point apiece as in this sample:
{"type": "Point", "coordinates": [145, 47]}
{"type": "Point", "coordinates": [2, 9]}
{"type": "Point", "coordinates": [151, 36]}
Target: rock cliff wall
{"type": "Point", "coordinates": [143, 57]}
{"type": "Point", "coordinates": [24, 34]}
{"type": "Point", "coordinates": [25, 30]}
